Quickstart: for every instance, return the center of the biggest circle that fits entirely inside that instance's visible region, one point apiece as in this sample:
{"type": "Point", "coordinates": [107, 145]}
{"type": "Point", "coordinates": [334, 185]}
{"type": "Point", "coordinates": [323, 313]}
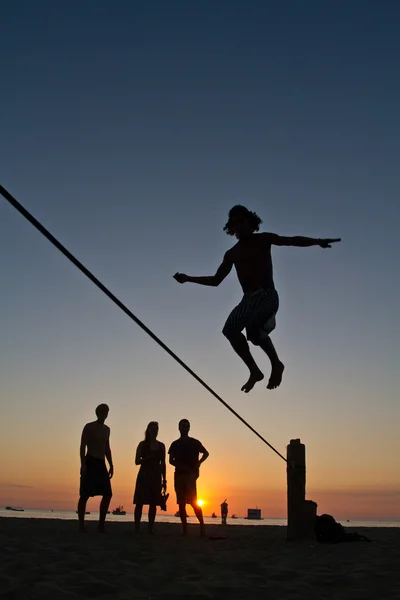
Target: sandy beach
{"type": "Point", "coordinates": [48, 559]}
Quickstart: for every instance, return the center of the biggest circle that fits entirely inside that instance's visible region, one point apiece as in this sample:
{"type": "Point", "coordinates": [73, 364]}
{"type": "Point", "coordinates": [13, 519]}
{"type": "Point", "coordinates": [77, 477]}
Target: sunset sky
{"type": "Point", "coordinates": [129, 129]}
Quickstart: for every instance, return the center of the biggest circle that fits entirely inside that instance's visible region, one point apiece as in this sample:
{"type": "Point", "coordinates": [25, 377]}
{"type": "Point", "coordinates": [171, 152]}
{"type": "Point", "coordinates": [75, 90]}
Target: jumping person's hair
{"type": "Point", "coordinates": [242, 211]}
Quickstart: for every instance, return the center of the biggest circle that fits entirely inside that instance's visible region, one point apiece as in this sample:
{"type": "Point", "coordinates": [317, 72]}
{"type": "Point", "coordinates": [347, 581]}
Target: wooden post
{"type": "Point", "coordinates": [301, 512]}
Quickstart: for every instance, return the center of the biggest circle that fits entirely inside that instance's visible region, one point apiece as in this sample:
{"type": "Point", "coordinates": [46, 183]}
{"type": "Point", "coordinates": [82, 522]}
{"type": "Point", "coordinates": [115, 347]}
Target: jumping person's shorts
{"type": "Point", "coordinates": [256, 313]}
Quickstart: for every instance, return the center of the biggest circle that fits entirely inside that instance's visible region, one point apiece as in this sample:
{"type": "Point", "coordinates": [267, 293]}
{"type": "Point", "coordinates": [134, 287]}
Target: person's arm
{"type": "Point", "coordinates": [82, 449]}
{"type": "Point", "coordinates": [109, 457]}
{"type": "Point", "coordinates": [163, 467]}
{"type": "Point", "coordinates": [139, 458]}
{"type": "Point", "coordinates": [213, 280]}
{"type": "Point", "coordinates": [205, 454]}
{"type": "Point", "coordinates": [300, 241]}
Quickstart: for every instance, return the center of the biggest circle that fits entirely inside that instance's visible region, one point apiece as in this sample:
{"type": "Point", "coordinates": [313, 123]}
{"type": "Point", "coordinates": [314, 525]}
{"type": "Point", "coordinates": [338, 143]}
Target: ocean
{"type": "Point", "coordinates": [36, 513]}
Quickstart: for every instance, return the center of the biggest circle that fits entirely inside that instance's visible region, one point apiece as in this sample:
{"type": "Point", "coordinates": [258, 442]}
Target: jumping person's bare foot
{"type": "Point", "coordinates": [276, 376]}
{"type": "Point", "coordinates": [253, 379]}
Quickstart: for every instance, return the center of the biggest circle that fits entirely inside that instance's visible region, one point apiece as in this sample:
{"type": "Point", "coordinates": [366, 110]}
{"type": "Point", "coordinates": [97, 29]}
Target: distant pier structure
{"type": "Point", "coordinates": [254, 514]}
{"type": "Point", "coordinates": [301, 513]}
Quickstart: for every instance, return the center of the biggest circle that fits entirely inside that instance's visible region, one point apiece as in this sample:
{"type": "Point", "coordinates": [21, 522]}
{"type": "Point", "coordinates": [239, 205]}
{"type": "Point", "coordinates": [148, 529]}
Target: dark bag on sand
{"type": "Point", "coordinates": [328, 531]}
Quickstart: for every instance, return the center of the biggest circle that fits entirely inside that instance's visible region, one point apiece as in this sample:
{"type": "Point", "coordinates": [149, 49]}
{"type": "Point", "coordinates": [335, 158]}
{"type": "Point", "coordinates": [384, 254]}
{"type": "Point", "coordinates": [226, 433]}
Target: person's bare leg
{"type": "Point", "coordinates": [104, 504]}
{"type": "Point", "coordinates": [182, 514]}
{"type": "Point", "coordinates": [152, 517]}
{"type": "Point", "coordinates": [138, 516]}
{"type": "Point", "coordinates": [199, 514]}
{"type": "Point", "coordinates": [275, 380]}
{"type": "Point", "coordinates": [241, 347]}
{"type": "Point", "coordinates": [81, 513]}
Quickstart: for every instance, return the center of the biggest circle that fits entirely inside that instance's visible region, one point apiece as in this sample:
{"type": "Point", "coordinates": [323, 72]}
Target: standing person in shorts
{"type": "Point", "coordinates": [256, 312]}
{"type": "Point", "coordinates": [184, 456]}
{"type": "Point", "coordinates": [95, 477]}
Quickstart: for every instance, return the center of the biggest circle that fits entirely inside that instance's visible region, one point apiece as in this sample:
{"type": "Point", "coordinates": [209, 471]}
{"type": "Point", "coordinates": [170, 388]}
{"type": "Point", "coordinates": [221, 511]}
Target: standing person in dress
{"type": "Point", "coordinates": [184, 456]}
{"type": "Point", "coordinates": [95, 477]}
{"type": "Point", "coordinates": [151, 479]}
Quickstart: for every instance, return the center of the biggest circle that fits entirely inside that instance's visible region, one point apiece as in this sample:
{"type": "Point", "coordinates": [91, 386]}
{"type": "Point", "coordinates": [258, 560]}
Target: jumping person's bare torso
{"type": "Point", "coordinates": [96, 436]}
{"type": "Point", "coordinates": [252, 260]}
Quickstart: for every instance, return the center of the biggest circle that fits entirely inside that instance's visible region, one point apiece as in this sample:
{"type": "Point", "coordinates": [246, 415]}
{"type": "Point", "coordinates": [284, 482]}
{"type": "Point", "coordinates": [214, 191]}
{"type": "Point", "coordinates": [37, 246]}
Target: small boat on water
{"type": "Point", "coordinates": [119, 511]}
{"type": "Point", "coordinates": [86, 513]}
{"type": "Point", "coordinates": [213, 516]}
{"type": "Point", "coordinates": [233, 517]}
{"type": "Point", "coordinates": [15, 508]}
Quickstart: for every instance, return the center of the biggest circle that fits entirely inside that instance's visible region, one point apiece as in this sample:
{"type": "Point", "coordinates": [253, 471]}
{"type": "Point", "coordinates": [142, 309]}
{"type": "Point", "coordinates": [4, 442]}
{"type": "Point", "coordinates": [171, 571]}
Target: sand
{"type": "Point", "coordinates": [48, 559]}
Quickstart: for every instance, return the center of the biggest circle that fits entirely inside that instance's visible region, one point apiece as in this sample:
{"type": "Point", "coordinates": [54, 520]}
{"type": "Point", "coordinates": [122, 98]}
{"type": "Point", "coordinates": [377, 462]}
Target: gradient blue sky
{"type": "Point", "coordinates": [129, 129]}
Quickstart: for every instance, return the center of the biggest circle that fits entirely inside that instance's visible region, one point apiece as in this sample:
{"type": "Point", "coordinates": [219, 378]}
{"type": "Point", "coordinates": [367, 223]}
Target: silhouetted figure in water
{"type": "Point", "coordinates": [151, 479]}
{"type": "Point", "coordinates": [256, 312]}
{"type": "Point", "coordinates": [95, 477]}
{"type": "Point", "coordinates": [224, 512]}
{"type": "Point", "coordinates": [184, 456]}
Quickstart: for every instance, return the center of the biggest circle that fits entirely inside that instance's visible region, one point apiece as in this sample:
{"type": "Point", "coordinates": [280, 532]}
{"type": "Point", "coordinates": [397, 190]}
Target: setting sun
{"type": "Point", "coordinates": [200, 502]}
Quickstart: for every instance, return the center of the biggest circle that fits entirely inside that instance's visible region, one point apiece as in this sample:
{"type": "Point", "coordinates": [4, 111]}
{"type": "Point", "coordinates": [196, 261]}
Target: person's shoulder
{"type": "Point", "coordinates": [106, 427]}
{"type": "Point", "coordinates": [267, 237]}
{"type": "Point", "coordinates": [231, 253]}
{"type": "Point", "coordinates": [89, 425]}
{"type": "Point", "coordinates": [263, 237]}
{"type": "Point", "coordinates": [173, 445]}
{"type": "Point", "coordinates": [195, 441]}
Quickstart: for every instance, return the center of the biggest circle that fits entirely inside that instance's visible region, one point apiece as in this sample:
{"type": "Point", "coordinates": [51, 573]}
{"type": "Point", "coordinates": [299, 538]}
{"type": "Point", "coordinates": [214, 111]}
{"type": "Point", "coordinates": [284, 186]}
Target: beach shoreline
{"type": "Point", "coordinates": [48, 558]}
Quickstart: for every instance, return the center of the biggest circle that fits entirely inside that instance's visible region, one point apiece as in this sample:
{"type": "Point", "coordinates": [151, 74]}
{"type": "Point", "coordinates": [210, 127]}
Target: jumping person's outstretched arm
{"type": "Point", "coordinates": [223, 271]}
{"type": "Point", "coordinates": [300, 241]}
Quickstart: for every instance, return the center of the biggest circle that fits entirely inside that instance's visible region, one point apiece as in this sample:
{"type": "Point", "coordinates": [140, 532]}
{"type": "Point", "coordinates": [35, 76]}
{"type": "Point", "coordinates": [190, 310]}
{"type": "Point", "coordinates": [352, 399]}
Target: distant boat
{"type": "Point", "coordinates": [119, 511]}
{"type": "Point", "coordinates": [178, 515]}
{"type": "Point", "coordinates": [15, 509]}
{"type": "Point", "coordinates": [233, 517]}
{"type": "Point", "coordinates": [213, 516]}
{"type": "Point", "coordinates": [86, 513]}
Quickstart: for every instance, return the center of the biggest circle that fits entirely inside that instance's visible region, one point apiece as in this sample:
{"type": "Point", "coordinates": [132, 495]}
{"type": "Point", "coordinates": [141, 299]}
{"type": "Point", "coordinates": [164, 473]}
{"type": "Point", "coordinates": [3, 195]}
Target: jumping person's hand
{"type": "Point", "coordinates": [111, 472]}
{"type": "Point", "coordinates": [181, 277]}
{"type": "Point", "coordinates": [326, 243]}
{"type": "Point", "coordinates": [164, 485]}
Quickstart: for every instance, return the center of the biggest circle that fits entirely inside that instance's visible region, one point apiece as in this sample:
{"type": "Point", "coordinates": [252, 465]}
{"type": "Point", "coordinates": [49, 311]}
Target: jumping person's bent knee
{"type": "Point", "coordinates": [254, 338]}
{"type": "Point", "coordinates": [230, 333]}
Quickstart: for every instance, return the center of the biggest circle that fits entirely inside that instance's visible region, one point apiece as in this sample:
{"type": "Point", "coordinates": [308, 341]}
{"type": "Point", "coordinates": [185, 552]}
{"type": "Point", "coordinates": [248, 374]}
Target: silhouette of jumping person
{"type": "Point", "coordinates": [151, 479]}
{"type": "Point", "coordinates": [95, 478]}
{"type": "Point", "coordinates": [251, 257]}
{"type": "Point", "coordinates": [184, 456]}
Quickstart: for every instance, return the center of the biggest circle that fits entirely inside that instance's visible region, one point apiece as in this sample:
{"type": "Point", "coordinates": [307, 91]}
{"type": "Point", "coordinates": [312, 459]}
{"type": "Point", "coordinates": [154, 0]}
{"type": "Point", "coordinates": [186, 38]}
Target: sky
{"type": "Point", "coordinates": [129, 129]}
